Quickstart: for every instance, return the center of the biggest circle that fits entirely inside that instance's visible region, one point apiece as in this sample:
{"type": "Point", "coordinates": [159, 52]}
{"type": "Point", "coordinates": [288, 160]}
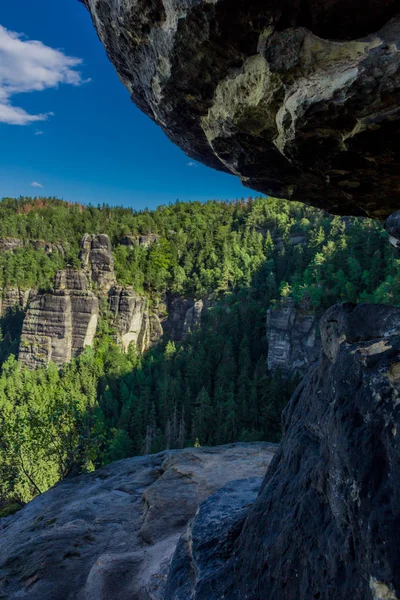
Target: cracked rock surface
{"type": "Point", "coordinates": [112, 533]}
{"type": "Point", "coordinates": [300, 99]}
{"type": "Point", "coordinates": [326, 523]}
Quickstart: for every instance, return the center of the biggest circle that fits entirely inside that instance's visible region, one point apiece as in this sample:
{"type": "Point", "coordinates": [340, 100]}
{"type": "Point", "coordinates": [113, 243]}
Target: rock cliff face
{"type": "Point", "coordinates": [58, 326]}
{"type": "Point", "coordinates": [140, 240]}
{"type": "Point", "coordinates": [97, 260]}
{"type": "Point", "coordinates": [326, 522]}
{"type": "Point", "coordinates": [184, 316]}
{"type": "Point", "coordinates": [14, 298]}
{"type": "Point", "coordinates": [133, 320]}
{"type": "Point", "coordinates": [9, 244]}
{"type": "Point", "coordinates": [293, 339]}
{"type": "Point", "coordinates": [299, 99]}
{"type": "Point", "coordinates": [111, 534]}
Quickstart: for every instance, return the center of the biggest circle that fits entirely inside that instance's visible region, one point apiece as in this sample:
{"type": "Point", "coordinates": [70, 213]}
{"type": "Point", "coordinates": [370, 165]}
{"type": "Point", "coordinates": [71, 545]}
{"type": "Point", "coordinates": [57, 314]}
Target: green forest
{"type": "Point", "coordinates": [212, 388]}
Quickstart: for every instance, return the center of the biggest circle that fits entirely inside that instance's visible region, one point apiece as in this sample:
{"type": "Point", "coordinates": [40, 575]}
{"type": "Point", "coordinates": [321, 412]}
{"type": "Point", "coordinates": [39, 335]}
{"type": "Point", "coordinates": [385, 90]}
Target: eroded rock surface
{"type": "Point", "coordinates": [327, 521]}
{"type": "Point", "coordinates": [293, 338]}
{"type": "Point", "coordinates": [145, 240]}
{"type": "Point", "coordinates": [133, 319]}
{"type": "Point", "coordinates": [184, 316]}
{"type": "Point", "coordinates": [14, 299]}
{"type": "Point", "coordinates": [9, 244]}
{"type": "Point", "coordinates": [299, 99]}
{"type": "Point", "coordinates": [58, 325]}
{"type": "Point", "coordinates": [111, 534]}
{"type": "Point", "coordinates": [97, 260]}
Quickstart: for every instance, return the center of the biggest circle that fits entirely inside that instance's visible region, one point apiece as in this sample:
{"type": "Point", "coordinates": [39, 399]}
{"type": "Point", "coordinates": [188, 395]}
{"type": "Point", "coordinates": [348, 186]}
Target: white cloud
{"type": "Point", "coordinates": [30, 66]}
{"type": "Point", "coordinates": [191, 164]}
{"type": "Point", "coordinates": [36, 184]}
{"type": "Point", "coordinates": [39, 132]}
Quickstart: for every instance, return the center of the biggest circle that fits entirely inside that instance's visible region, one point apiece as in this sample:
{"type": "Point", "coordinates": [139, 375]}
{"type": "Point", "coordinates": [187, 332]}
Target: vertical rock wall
{"type": "Point", "coordinates": [293, 338]}
{"type": "Point", "coordinates": [97, 260]}
{"type": "Point", "coordinates": [133, 320]}
{"type": "Point", "coordinates": [59, 325]}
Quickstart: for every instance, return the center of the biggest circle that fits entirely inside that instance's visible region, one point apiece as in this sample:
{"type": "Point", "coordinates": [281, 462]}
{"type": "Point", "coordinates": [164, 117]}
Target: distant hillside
{"type": "Point", "coordinates": [209, 273]}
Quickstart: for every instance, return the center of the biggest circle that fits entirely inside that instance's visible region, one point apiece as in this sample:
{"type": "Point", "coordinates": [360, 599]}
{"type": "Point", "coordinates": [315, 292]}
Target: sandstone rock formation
{"type": "Point", "coordinates": [58, 326]}
{"type": "Point", "coordinates": [184, 316]}
{"type": "Point", "coordinates": [299, 99]}
{"type": "Point", "coordinates": [97, 260]}
{"type": "Point", "coordinates": [111, 534]}
{"type": "Point", "coordinates": [293, 338]}
{"type": "Point", "coordinates": [9, 244]}
{"type": "Point", "coordinates": [140, 240]}
{"type": "Point", "coordinates": [14, 298]}
{"type": "Point", "coordinates": [133, 319]}
{"type": "Point", "coordinates": [327, 521]}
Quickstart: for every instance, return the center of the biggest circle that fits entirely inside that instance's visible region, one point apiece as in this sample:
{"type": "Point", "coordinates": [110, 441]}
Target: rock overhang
{"type": "Point", "coordinates": [298, 99]}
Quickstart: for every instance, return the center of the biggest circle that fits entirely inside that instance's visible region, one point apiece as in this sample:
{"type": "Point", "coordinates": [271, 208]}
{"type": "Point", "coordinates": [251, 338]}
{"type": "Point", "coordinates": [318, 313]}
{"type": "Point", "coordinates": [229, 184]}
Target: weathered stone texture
{"type": "Point", "coordinates": [14, 298]}
{"type": "Point", "coordinates": [184, 315]}
{"type": "Point", "coordinates": [97, 260]}
{"type": "Point", "coordinates": [9, 244]}
{"type": "Point", "coordinates": [299, 99]}
{"type": "Point", "coordinates": [293, 338]}
{"type": "Point", "coordinates": [58, 325]}
{"type": "Point", "coordinates": [133, 320]}
{"type": "Point", "coordinates": [111, 534]}
{"type": "Point", "coordinates": [326, 523]}
{"type": "Point", "coordinates": [140, 240]}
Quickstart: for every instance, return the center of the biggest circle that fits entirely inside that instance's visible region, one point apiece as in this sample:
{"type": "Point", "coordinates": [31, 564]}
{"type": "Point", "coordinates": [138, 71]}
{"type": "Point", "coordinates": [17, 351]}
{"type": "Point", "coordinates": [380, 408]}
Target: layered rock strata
{"type": "Point", "coordinates": [111, 534]}
{"type": "Point", "coordinates": [58, 325]}
{"type": "Point", "coordinates": [14, 299]}
{"type": "Point", "coordinates": [293, 338]}
{"type": "Point", "coordinates": [9, 244]}
{"type": "Point", "coordinates": [184, 316]}
{"type": "Point", "coordinates": [97, 260]}
{"type": "Point", "coordinates": [133, 319]}
{"type": "Point", "coordinates": [326, 523]}
{"type": "Point", "coordinates": [145, 240]}
{"type": "Point", "coordinates": [299, 99]}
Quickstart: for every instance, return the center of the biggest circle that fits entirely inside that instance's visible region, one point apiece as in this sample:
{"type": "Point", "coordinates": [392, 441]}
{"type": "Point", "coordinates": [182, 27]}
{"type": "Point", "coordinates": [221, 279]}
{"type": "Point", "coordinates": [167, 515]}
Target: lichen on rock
{"type": "Point", "coordinates": [300, 100]}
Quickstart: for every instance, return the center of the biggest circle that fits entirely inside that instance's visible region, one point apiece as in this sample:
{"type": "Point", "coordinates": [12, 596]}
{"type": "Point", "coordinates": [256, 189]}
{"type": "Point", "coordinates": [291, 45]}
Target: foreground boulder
{"type": "Point", "coordinates": [111, 534]}
{"type": "Point", "coordinates": [299, 99]}
{"type": "Point", "coordinates": [326, 524]}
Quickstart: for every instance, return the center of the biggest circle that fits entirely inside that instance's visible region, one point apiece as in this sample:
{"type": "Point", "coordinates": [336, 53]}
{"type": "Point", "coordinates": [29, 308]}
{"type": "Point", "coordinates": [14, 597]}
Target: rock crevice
{"type": "Point", "coordinates": [326, 522]}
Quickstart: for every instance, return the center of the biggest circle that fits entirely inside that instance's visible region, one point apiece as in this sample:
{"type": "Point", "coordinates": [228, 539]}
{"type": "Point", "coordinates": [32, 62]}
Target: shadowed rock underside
{"type": "Point", "coordinates": [299, 99]}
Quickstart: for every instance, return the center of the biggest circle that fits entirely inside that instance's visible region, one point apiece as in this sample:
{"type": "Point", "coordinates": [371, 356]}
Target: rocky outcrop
{"type": "Point", "coordinates": [112, 533]}
{"type": "Point", "coordinates": [326, 523]}
{"type": "Point", "coordinates": [140, 240]}
{"type": "Point", "coordinates": [48, 247]}
{"type": "Point", "coordinates": [184, 316]}
{"type": "Point", "coordinates": [14, 299]}
{"type": "Point", "coordinates": [97, 260]}
{"type": "Point", "coordinates": [133, 320]}
{"type": "Point", "coordinates": [293, 338]}
{"type": "Point", "coordinates": [299, 99]}
{"type": "Point", "coordinates": [58, 325]}
{"type": "Point", "coordinates": [208, 538]}
{"type": "Point", "coordinates": [9, 244]}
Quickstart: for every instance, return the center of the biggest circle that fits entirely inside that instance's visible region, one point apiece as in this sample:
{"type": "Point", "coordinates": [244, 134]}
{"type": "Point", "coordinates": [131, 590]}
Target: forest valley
{"type": "Point", "coordinates": [211, 388]}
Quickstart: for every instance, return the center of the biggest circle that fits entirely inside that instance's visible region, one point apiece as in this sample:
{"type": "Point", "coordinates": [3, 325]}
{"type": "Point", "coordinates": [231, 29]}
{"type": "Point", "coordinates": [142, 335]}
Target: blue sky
{"type": "Point", "coordinates": [93, 145]}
